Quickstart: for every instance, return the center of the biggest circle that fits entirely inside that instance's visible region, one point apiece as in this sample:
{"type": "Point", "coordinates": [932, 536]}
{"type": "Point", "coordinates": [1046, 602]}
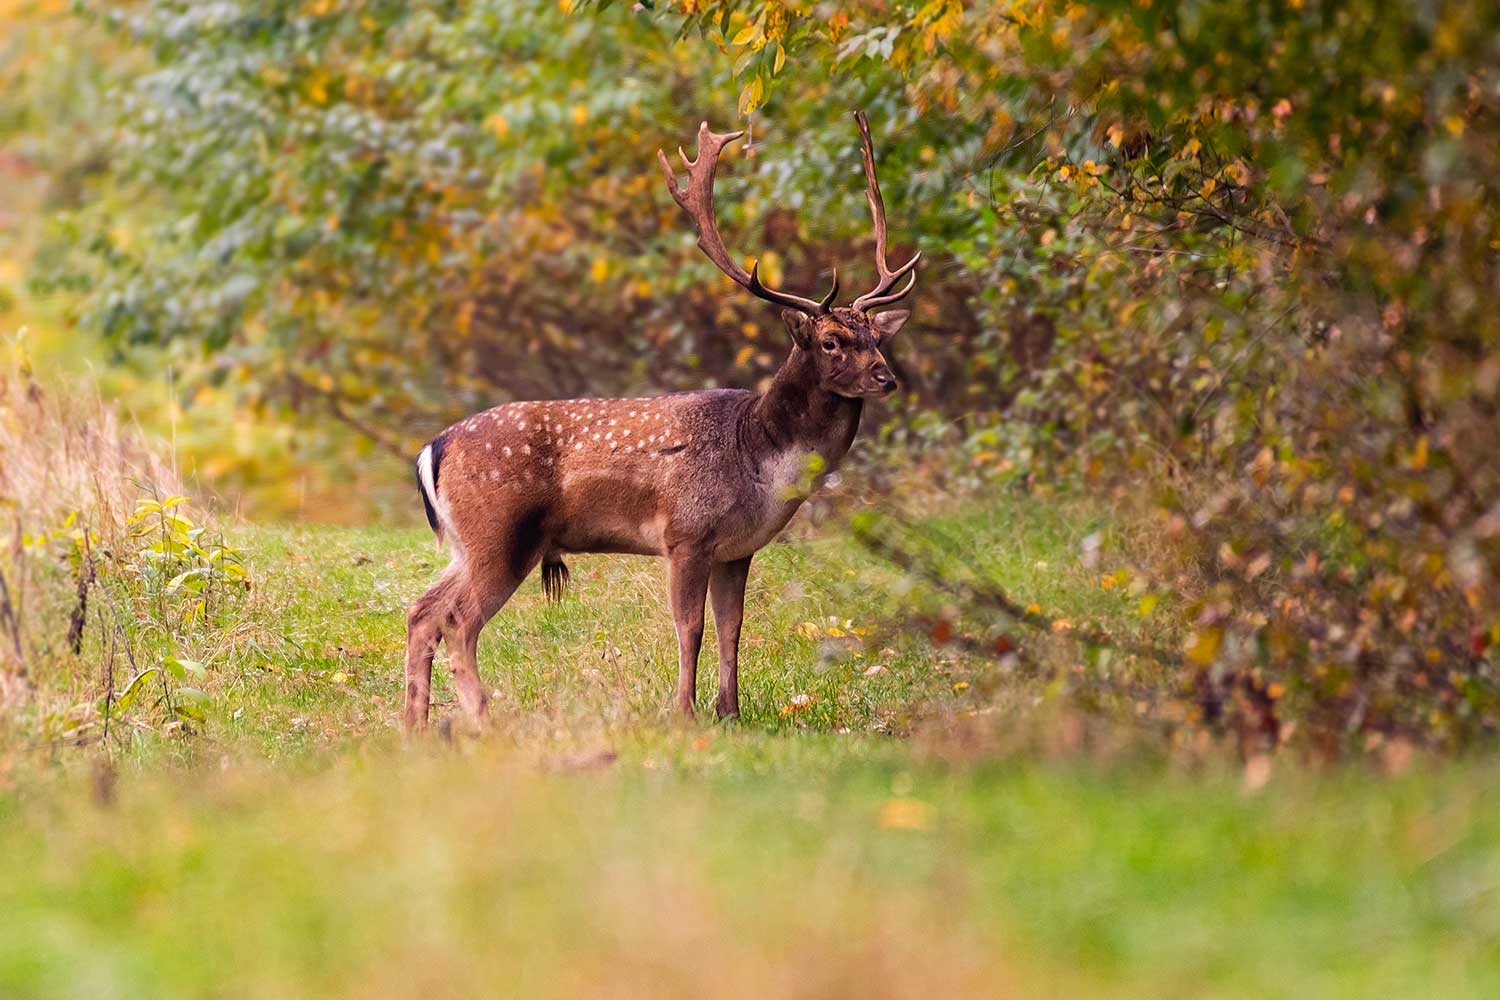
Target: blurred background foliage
{"type": "Point", "coordinates": [1234, 264]}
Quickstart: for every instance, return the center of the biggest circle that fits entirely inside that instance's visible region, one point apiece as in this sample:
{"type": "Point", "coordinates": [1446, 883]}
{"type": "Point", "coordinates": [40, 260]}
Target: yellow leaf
{"type": "Point", "coordinates": [498, 125]}
{"type": "Point", "coordinates": [770, 268]}
{"type": "Point", "coordinates": [599, 270]}
{"type": "Point", "coordinates": [743, 355]}
{"type": "Point", "coordinates": [780, 58]}
{"type": "Point", "coordinates": [580, 114]}
{"type": "Point", "coordinates": [1419, 454]}
{"type": "Point", "coordinates": [1203, 645]}
{"type": "Point", "coordinates": [750, 97]}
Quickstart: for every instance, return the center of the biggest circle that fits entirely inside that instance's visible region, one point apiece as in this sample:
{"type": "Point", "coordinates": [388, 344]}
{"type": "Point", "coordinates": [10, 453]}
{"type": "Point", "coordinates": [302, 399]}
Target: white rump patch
{"type": "Point", "coordinates": [439, 505]}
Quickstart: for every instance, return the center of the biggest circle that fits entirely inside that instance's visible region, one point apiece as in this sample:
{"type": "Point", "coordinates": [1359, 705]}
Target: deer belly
{"type": "Point", "coordinates": [599, 514]}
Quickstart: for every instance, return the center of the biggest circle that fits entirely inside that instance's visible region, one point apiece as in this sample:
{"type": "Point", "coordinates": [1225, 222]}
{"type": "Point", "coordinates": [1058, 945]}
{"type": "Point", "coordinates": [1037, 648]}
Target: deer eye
{"type": "Point", "coordinates": [830, 345]}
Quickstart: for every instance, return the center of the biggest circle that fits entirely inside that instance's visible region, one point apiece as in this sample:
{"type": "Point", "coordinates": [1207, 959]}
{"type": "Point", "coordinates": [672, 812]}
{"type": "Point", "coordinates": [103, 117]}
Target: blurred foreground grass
{"type": "Point", "coordinates": [838, 844]}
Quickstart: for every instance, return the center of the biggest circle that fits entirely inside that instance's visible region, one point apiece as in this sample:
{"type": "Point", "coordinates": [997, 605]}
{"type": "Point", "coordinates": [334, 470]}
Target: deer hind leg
{"type": "Point", "coordinates": [726, 587]}
{"type": "Point", "coordinates": [423, 632]}
{"type": "Point", "coordinates": [687, 583]}
{"type": "Point", "coordinates": [483, 596]}
{"type": "Point", "coordinates": [492, 575]}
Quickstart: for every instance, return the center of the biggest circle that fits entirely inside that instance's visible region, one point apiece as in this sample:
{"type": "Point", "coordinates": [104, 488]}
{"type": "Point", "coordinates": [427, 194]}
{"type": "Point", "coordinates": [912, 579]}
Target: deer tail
{"type": "Point", "coordinates": [428, 461]}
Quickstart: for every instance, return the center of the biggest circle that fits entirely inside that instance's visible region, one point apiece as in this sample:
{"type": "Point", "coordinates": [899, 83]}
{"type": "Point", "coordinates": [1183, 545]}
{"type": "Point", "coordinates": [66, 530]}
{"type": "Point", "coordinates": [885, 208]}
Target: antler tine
{"type": "Point", "coordinates": [697, 201]}
{"type": "Point", "coordinates": [878, 296]}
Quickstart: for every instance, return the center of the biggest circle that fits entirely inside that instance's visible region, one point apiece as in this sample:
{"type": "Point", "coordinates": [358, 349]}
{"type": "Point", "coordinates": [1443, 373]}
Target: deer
{"type": "Point", "coordinates": [703, 479]}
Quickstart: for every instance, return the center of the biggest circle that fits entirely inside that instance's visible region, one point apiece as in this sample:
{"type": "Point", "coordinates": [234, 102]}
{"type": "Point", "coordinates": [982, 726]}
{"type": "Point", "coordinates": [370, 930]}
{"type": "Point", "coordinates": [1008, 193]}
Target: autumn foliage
{"type": "Point", "coordinates": [1235, 264]}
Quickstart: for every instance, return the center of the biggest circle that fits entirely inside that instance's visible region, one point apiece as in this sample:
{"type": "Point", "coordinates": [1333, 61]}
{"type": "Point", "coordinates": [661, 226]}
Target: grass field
{"type": "Point", "coordinates": [860, 832]}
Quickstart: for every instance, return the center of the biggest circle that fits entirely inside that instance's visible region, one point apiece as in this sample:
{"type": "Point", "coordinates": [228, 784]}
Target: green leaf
{"type": "Point", "coordinates": [190, 578]}
{"type": "Point", "coordinates": [180, 668]}
{"type": "Point", "coordinates": [192, 703]}
{"type": "Point", "coordinates": [127, 697]}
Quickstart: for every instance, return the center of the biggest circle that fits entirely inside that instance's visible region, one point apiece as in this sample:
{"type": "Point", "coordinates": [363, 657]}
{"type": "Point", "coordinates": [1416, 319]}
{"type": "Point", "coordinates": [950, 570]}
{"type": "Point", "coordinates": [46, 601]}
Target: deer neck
{"type": "Point", "coordinates": [796, 414]}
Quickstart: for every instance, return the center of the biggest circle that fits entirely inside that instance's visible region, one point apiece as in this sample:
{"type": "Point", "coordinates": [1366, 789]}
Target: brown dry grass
{"type": "Point", "coordinates": [66, 454]}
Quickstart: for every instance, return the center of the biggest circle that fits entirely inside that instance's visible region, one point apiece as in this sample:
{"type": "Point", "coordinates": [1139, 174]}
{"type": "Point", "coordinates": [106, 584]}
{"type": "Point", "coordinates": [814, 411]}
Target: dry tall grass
{"type": "Point", "coordinates": [66, 452]}
{"type": "Point", "coordinates": [63, 453]}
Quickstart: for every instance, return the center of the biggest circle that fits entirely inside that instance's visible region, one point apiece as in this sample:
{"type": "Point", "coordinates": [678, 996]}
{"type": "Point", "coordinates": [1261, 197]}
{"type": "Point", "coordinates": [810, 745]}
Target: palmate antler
{"type": "Point", "coordinates": [697, 200]}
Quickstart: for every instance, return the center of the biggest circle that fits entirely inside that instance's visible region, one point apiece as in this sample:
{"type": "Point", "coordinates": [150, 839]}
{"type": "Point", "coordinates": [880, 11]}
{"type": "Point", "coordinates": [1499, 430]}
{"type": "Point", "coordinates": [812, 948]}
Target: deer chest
{"type": "Point", "coordinates": [782, 483]}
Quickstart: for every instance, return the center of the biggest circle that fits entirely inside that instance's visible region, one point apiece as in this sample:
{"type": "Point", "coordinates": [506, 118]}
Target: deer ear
{"type": "Point", "coordinates": [887, 323]}
{"type": "Point", "coordinates": [800, 324]}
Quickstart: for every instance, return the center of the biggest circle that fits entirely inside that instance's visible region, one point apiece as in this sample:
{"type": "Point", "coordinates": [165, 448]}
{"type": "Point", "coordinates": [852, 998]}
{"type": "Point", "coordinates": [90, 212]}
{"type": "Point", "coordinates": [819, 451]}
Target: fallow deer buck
{"type": "Point", "coordinates": [704, 479]}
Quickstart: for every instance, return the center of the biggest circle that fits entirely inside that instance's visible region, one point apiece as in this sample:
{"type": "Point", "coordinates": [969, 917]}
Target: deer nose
{"type": "Point", "coordinates": [882, 376]}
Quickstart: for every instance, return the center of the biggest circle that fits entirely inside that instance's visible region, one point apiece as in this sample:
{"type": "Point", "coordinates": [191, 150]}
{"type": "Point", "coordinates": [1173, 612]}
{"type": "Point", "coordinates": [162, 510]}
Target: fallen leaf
{"type": "Point", "coordinates": [797, 704]}
{"type": "Point", "coordinates": [905, 814]}
{"type": "Point", "coordinates": [1257, 772]}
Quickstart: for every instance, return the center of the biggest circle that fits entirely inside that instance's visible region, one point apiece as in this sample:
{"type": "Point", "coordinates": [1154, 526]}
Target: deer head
{"type": "Point", "coordinates": [842, 344]}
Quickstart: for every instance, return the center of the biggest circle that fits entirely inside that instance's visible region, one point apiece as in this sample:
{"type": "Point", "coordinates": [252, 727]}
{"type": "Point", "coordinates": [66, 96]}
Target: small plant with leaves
{"type": "Point", "coordinates": [185, 705]}
{"type": "Point", "coordinates": [183, 570]}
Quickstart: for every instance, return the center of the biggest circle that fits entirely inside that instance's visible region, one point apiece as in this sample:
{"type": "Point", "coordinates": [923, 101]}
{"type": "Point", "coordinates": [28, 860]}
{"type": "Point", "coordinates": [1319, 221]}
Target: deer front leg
{"type": "Point", "coordinates": [687, 583]}
{"type": "Point", "coordinates": [727, 589]}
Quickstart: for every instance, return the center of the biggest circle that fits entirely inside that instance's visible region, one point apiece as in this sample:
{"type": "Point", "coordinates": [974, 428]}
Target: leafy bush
{"type": "Point", "coordinates": [1236, 261]}
{"type": "Point", "coordinates": [1262, 241]}
{"type": "Point", "coordinates": [101, 589]}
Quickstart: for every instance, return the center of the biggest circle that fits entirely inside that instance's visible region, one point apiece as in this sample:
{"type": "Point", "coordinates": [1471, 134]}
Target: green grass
{"type": "Point", "coordinates": [868, 844]}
